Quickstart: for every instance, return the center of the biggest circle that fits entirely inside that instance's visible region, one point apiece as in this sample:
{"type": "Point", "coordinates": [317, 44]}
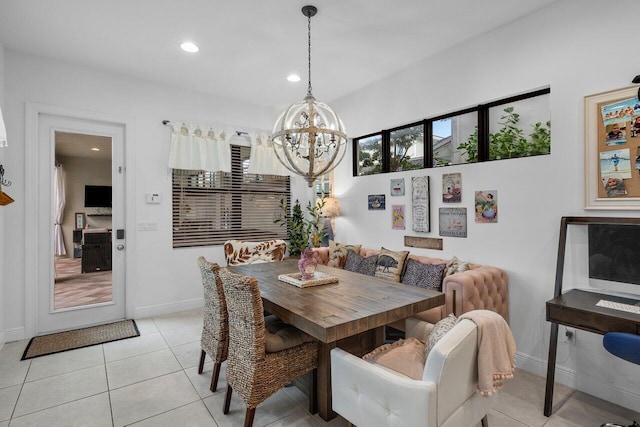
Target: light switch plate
{"type": "Point", "coordinates": [147, 226]}
{"type": "Point", "coordinates": [154, 198]}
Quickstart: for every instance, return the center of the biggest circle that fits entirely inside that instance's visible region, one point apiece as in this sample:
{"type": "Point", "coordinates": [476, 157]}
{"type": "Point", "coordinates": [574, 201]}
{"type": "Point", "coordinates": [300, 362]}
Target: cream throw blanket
{"type": "Point", "coordinates": [496, 350]}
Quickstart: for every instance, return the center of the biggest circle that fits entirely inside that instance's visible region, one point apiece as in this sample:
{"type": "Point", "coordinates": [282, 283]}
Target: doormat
{"type": "Point", "coordinates": [79, 338]}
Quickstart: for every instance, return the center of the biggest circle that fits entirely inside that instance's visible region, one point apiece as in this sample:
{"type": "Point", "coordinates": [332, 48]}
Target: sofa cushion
{"type": "Point", "coordinates": [422, 275]}
{"type": "Point", "coordinates": [439, 330]}
{"type": "Point", "coordinates": [360, 264]}
{"type": "Point", "coordinates": [338, 253]}
{"type": "Point", "coordinates": [403, 356]}
{"type": "Point", "coordinates": [455, 266]}
{"type": "Point", "coordinates": [390, 264]}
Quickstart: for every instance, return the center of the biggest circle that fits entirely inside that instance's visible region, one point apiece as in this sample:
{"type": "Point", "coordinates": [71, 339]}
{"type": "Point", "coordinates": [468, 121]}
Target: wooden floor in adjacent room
{"type": "Point", "coordinates": [73, 288]}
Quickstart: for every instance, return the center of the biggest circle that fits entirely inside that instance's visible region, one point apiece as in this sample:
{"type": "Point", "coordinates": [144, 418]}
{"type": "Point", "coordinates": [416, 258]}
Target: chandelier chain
{"type": "Point", "coordinates": [309, 47]}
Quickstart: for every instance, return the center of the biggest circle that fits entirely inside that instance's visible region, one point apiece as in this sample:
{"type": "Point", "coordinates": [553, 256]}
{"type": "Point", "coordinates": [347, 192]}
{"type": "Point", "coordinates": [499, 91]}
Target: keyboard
{"type": "Point", "coordinates": [619, 306]}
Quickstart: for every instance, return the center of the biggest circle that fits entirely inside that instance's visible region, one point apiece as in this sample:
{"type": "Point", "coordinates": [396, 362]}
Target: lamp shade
{"type": "Point", "coordinates": [331, 207]}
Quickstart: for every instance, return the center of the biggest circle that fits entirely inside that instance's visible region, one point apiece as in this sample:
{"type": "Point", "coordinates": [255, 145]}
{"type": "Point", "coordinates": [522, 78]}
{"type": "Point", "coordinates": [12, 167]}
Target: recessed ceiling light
{"type": "Point", "coordinates": [293, 78]}
{"type": "Point", "coordinates": [95, 149]}
{"type": "Point", "coordinates": [189, 47]}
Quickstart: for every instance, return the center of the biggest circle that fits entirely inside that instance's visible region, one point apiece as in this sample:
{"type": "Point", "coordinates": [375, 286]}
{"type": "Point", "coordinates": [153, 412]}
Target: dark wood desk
{"type": "Point", "coordinates": [349, 314]}
{"type": "Point", "coordinates": [577, 308]}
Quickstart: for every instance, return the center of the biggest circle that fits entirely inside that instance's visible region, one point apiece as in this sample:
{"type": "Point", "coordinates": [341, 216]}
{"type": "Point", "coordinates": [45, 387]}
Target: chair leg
{"type": "Point", "coordinates": [485, 422]}
{"type": "Point", "coordinates": [214, 377]}
{"type": "Point", "coordinates": [248, 418]}
{"type": "Point", "coordinates": [201, 365]}
{"type": "Point", "coordinates": [227, 400]}
{"type": "Point", "coordinates": [313, 395]}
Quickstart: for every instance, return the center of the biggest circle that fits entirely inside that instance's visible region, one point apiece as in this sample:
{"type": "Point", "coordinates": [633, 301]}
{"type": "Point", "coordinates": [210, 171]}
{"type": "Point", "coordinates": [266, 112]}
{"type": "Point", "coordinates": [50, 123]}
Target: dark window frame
{"type": "Point", "coordinates": [483, 132]}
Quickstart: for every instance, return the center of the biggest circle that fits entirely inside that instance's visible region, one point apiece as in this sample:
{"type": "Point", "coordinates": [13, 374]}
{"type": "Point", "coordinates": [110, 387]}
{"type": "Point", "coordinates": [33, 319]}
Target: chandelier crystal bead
{"type": "Point", "coordinates": [309, 138]}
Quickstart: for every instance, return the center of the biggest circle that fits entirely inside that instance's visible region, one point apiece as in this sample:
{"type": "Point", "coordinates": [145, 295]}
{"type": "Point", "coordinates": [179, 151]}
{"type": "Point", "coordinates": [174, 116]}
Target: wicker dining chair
{"type": "Point", "coordinates": [262, 360]}
{"type": "Point", "coordinates": [215, 327]}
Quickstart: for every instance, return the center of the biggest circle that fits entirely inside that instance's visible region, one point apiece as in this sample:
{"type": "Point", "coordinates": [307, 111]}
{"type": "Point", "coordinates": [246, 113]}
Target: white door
{"type": "Point", "coordinates": [50, 318]}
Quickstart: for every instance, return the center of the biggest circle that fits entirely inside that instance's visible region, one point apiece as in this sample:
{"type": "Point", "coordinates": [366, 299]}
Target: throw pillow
{"type": "Point", "coordinates": [438, 331]}
{"type": "Point", "coordinates": [360, 264]}
{"type": "Point", "coordinates": [428, 276]}
{"type": "Point", "coordinates": [244, 252]}
{"type": "Point", "coordinates": [338, 253]}
{"type": "Point", "coordinates": [391, 264]}
{"type": "Point", "coordinates": [403, 356]}
{"type": "Point", "coordinates": [455, 266]}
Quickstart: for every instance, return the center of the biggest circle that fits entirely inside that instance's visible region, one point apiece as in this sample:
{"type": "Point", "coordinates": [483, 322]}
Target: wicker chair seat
{"type": "Point", "coordinates": [281, 336]}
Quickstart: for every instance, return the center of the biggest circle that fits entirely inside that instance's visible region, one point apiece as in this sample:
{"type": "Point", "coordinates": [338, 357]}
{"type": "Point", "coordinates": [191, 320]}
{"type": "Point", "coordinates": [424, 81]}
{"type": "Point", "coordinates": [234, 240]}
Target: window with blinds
{"type": "Point", "coordinates": [210, 208]}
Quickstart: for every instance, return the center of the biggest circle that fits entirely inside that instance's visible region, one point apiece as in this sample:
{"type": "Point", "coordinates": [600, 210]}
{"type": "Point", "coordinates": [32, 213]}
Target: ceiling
{"type": "Point", "coordinates": [80, 145]}
{"type": "Point", "coordinates": [248, 47]}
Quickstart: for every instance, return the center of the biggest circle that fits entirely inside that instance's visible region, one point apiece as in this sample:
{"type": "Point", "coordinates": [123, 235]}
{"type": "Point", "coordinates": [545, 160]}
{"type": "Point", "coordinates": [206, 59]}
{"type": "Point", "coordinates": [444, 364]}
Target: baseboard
{"type": "Point", "coordinates": [15, 334]}
{"type": "Point", "coordinates": [622, 397]}
{"type": "Point", "coordinates": [2, 340]}
{"type": "Point", "coordinates": [156, 310]}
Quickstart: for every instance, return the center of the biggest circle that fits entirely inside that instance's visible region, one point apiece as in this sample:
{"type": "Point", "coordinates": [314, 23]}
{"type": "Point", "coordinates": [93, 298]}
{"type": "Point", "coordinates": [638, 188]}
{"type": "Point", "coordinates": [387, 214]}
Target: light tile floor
{"type": "Point", "coordinates": [152, 380]}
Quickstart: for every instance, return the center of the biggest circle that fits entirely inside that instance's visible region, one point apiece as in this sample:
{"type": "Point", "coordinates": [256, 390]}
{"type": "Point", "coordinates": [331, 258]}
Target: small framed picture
{"type": "Point", "coordinates": [80, 220]}
{"type": "Point", "coordinates": [397, 187]}
{"type": "Point", "coordinates": [397, 215]}
{"type": "Point", "coordinates": [486, 206]}
{"type": "Point", "coordinates": [453, 222]}
{"type": "Point", "coordinates": [376, 202]}
{"type": "Point", "coordinates": [451, 188]}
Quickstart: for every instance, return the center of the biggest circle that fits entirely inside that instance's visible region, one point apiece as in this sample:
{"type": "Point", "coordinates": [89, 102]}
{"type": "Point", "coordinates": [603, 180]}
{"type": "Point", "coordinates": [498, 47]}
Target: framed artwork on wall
{"type": "Point", "coordinates": [80, 220]}
{"type": "Point", "coordinates": [397, 217]}
{"type": "Point", "coordinates": [397, 187]}
{"type": "Point", "coordinates": [376, 202]}
{"type": "Point", "coordinates": [451, 188]}
{"type": "Point", "coordinates": [420, 204]}
{"type": "Point", "coordinates": [453, 222]}
{"type": "Point", "coordinates": [486, 206]}
{"type": "Point", "coordinates": [612, 150]}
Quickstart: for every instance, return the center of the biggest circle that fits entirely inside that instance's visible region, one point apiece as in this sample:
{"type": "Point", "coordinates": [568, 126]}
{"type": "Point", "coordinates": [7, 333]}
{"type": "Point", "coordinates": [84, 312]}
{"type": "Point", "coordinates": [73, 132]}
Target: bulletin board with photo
{"type": "Point", "coordinates": [612, 150]}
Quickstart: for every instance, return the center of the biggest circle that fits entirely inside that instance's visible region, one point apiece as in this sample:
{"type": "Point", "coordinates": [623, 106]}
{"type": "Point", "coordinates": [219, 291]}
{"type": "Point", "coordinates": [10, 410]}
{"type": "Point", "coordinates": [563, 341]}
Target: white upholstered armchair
{"type": "Point", "coordinates": [367, 394]}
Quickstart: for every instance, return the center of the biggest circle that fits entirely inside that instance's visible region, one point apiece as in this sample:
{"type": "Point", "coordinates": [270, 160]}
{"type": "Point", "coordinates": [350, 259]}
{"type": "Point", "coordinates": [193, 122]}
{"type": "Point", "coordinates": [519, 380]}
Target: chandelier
{"type": "Point", "coordinates": [309, 138]}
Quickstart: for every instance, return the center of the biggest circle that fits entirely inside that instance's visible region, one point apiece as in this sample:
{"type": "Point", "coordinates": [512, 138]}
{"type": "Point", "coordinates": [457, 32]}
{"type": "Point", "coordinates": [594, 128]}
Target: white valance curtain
{"type": "Point", "coordinates": [262, 159]}
{"type": "Point", "coordinates": [198, 147]}
{"type": "Point", "coordinates": [59, 203]}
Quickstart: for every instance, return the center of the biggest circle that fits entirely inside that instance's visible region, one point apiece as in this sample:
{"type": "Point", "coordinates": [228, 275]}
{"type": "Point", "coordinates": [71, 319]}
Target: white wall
{"type": "Point", "coordinates": [564, 47]}
{"type": "Point", "coordinates": [165, 279]}
{"type": "Point", "coordinates": [2, 215]}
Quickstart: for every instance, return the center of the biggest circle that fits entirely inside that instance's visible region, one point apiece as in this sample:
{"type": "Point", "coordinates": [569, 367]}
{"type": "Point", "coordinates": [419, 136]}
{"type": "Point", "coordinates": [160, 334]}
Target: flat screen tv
{"type": "Point", "coordinates": [97, 196]}
{"type": "Point", "coordinates": [614, 252]}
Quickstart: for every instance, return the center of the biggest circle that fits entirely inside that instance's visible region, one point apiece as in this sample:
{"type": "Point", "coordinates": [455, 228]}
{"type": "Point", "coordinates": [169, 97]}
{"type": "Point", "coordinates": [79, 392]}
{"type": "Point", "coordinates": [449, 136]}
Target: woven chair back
{"type": "Point", "coordinates": [215, 330]}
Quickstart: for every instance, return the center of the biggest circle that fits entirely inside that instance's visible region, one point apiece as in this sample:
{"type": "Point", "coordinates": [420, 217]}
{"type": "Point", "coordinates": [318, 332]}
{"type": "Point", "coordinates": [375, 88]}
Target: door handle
{"type": "Point", "coordinates": [120, 247]}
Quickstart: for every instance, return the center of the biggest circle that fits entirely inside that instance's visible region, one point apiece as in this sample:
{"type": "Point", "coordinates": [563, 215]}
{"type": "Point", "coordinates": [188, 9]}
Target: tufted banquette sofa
{"type": "Point", "coordinates": [480, 287]}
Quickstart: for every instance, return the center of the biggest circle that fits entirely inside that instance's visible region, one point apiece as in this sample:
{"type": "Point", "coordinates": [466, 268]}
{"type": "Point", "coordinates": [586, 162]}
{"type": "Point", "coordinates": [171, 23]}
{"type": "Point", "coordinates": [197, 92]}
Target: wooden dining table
{"type": "Point", "coordinates": [350, 314]}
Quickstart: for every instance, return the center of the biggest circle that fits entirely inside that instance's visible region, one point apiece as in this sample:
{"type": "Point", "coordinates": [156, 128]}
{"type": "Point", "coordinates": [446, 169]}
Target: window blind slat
{"type": "Point", "coordinates": [210, 208]}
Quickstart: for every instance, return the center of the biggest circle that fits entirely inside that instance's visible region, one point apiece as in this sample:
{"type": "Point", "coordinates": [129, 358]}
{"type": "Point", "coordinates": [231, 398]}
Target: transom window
{"type": "Point", "coordinates": [518, 126]}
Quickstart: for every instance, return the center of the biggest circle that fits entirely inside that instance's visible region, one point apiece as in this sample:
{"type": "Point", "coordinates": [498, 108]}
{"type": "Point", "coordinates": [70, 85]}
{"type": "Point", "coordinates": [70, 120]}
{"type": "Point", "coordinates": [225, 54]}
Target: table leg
{"type": "Point", "coordinates": [551, 369]}
{"type": "Point", "coordinates": [324, 381]}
